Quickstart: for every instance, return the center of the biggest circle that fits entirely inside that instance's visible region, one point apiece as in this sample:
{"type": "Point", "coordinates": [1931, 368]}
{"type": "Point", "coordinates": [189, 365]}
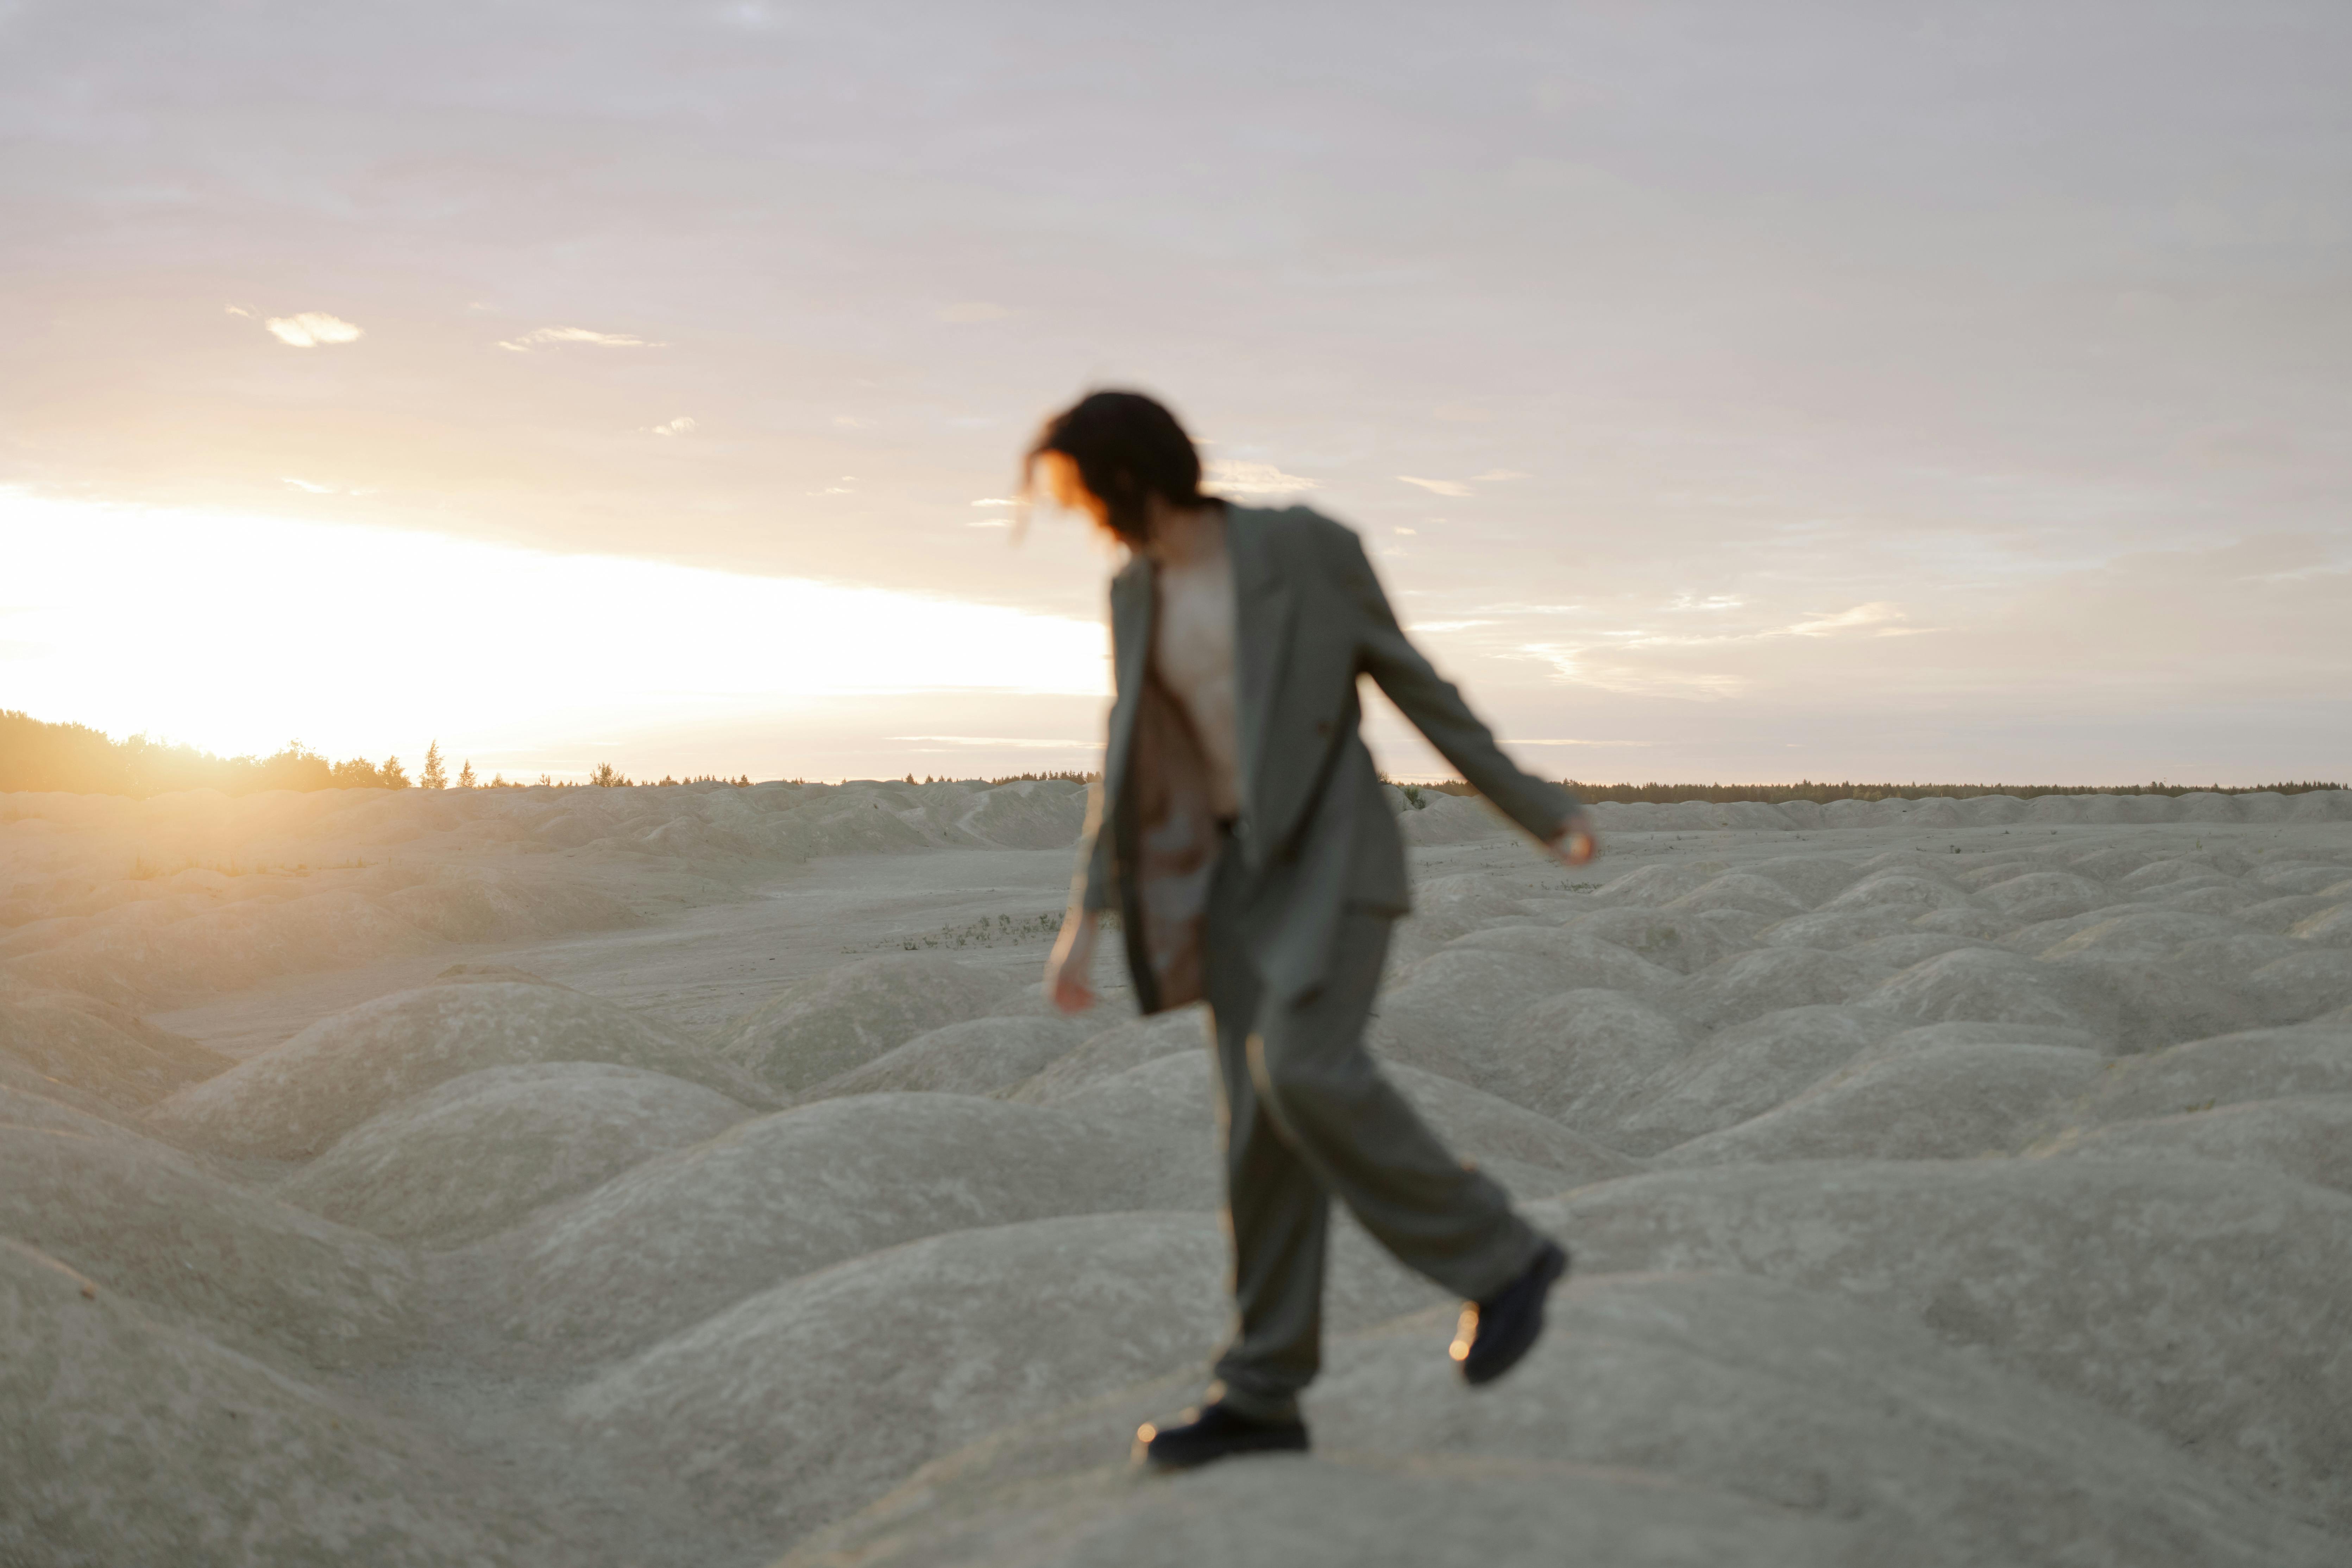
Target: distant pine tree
{"type": "Point", "coordinates": [393, 775]}
{"type": "Point", "coordinates": [436, 776]}
{"type": "Point", "coordinates": [466, 774]}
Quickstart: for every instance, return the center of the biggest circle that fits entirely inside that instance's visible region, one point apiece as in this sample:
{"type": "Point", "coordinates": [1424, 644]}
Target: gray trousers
{"type": "Point", "coordinates": [1307, 1116]}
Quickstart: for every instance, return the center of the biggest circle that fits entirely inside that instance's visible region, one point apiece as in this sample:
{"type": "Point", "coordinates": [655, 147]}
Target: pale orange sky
{"type": "Point", "coordinates": [1728, 392]}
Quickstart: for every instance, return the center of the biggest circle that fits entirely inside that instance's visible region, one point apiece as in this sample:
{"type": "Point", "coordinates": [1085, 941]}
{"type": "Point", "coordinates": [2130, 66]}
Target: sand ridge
{"type": "Point", "coordinates": [692, 1176]}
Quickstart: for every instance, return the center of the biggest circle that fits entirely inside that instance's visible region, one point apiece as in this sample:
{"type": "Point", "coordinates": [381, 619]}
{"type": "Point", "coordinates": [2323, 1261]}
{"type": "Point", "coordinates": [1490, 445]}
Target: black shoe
{"type": "Point", "coordinates": [1496, 1332]}
{"type": "Point", "coordinates": [1213, 1432]}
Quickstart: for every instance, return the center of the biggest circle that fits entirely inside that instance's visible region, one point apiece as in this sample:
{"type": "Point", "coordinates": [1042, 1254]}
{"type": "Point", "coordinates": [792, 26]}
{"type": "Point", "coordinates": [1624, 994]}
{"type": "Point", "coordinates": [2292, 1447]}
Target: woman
{"type": "Point", "coordinates": [1242, 834]}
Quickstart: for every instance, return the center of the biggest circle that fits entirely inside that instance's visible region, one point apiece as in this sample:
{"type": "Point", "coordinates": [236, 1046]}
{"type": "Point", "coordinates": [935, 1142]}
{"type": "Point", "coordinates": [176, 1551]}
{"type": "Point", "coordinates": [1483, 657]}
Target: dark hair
{"type": "Point", "coordinates": [1128, 448]}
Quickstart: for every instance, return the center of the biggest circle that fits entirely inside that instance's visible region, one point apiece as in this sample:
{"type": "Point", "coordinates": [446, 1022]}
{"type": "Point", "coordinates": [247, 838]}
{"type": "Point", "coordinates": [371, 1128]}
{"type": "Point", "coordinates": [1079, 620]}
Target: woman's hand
{"type": "Point", "coordinates": [1072, 963]}
{"type": "Point", "coordinates": [1576, 843]}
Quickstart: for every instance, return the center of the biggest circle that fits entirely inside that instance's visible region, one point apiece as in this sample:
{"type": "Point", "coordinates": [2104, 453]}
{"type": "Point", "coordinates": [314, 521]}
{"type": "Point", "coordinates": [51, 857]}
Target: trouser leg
{"type": "Point", "coordinates": [1308, 1115]}
{"type": "Point", "coordinates": [1366, 1144]}
{"type": "Point", "coordinates": [1277, 1216]}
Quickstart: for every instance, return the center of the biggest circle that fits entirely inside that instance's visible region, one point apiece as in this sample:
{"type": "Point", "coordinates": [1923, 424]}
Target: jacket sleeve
{"type": "Point", "coordinates": [1094, 888]}
{"type": "Point", "coordinates": [1435, 705]}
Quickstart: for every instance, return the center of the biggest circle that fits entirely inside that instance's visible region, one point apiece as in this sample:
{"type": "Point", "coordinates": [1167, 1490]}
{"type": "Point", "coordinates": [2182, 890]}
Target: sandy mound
{"type": "Point", "coordinates": [2310, 1140]}
{"type": "Point", "coordinates": [1746, 1070]}
{"type": "Point", "coordinates": [2304, 985]}
{"type": "Point", "coordinates": [99, 1050]}
{"type": "Point", "coordinates": [297, 1099]}
{"type": "Point", "coordinates": [1445, 1014]}
{"type": "Point", "coordinates": [2080, 1272]}
{"type": "Point", "coordinates": [1582, 1058]}
{"type": "Point", "coordinates": [20, 1079]}
{"type": "Point", "coordinates": [1682, 1389]}
{"type": "Point", "coordinates": [1796, 1399]}
{"type": "Point", "coordinates": [1743, 891]}
{"type": "Point", "coordinates": [1950, 1102]}
{"type": "Point", "coordinates": [1115, 1050]}
{"type": "Point", "coordinates": [1032, 814]}
{"type": "Point", "coordinates": [1445, 908]}
{"type": "Point", "coordinates": [2044, 895]}
{"type": "Point", "coordinates": [2262, 1064]}
{"type": "Point", "coordinates": [20, 1107]}
{"type": "Point", "coordinates": [1579, 960]}
{"type": "Point", "coordinates": [1768, 980]}
{"type": "Point", "coordinates": [1985, 985]}
{"type": "Point", "coordinates": [130, 1441]}
{"type": "Point", "coordinates": [154, 1226]}
{"type": "Point", "coordinates": [460, 904]}
{"type": "Point", "coordinates": [830, 1023]}
{"type": "Point", "coordinates": [1684, 943]}
{"type": "Point", "coordinates": [475, 1154]}
{"type": "Point", "coordinates": [1355, 1510]}
{"type": "Point", "coordinates": [1834, 929]}
{"type": "Point", "coordinates": [979, 1055]}
{"type": "Point", "coordinates": [687, 1234]}
{"type": "Point", "coordinates": [692, 1330]}
{"type": "Point", "coordinates": [139, 954]}
{"type": "Point", "coordinates": [809, 1400]}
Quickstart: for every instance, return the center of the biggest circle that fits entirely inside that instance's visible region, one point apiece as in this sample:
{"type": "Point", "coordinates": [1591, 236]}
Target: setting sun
{"type": "Point", "coordinates": [234, 633]}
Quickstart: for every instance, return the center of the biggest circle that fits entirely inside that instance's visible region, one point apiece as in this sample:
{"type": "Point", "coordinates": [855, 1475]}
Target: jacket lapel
{"type": "Point", "coordinates": [1262, 637]}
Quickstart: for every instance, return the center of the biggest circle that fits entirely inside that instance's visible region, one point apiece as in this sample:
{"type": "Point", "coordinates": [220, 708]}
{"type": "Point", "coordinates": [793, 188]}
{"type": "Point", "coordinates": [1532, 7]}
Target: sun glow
{"type": "Point", "coordinates": [235, 633]}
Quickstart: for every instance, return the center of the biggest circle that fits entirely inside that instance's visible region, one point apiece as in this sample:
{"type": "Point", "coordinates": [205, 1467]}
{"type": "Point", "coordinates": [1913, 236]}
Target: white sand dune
{"type": "Point", "coordinates": [132, 1440]}
{"type": "Point", "coordinates": [686, 1235]}
{"type": "Point", "coordinates": [1703, 1386]}
{"type": "Point", "coordinates": [1946, 1102]}
{"type": "Point", "coordinates": [1952, 1182]}
{"type": "Point", "coordinates": [475, 1154]}
{"type": "Point", "coordinates": [149, 1222]}
{"type": "Point", "coordinates": [833, 1023]}
{"type": "Point", "coordinates": [299, 1098]}
{"type": "Point", "coordinates": [2081, 1272]}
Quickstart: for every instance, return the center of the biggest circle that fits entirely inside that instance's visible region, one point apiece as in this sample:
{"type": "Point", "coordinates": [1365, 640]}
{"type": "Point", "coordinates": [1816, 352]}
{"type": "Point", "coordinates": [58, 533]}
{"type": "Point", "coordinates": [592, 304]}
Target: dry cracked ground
{"type": "Point", "coordinates": [691, 1176]}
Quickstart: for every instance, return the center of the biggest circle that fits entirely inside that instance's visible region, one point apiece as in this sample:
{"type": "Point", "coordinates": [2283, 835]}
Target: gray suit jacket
{"type": "Point", "coordinates": [1316, 833]}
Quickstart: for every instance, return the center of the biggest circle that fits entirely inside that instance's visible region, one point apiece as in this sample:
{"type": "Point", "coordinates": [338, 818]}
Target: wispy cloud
{"type": "Point", "coordinates": [1240, 479]}
{"type": "Point", "coordinates": [529, 341]}
{"type": "Point", "coordinates": [1608, 670]}
{"type": "Point", "coordinates": [1438, 486]}
{"type": "Point", "coordinates": [309, 329]}
{"type": "Point", "coordinates": [1419, 626]}
{"type": "Point", "coordinates": [1874, 617]}
{"type": "Point", "coordinates": [973, 311]}
{"type": "Point", "coordinates": [313, 489]}
{"type": "Point", "coordinates": [681, 426]}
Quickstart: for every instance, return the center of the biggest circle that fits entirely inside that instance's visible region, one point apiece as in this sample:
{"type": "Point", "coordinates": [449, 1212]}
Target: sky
{"type": "Point", "coordinates": [1732, 393]}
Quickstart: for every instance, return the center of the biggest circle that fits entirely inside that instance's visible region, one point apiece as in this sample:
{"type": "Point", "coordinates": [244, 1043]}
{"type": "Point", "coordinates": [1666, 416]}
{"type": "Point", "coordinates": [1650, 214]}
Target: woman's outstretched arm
{"type": "Point", "coordinates": [1436, 708]}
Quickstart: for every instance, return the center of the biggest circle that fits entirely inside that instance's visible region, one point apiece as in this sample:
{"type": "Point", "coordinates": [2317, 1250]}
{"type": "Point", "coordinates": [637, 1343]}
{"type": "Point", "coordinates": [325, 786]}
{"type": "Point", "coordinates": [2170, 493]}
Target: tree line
{"type": "Point", "coordinates": [75, 759]}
